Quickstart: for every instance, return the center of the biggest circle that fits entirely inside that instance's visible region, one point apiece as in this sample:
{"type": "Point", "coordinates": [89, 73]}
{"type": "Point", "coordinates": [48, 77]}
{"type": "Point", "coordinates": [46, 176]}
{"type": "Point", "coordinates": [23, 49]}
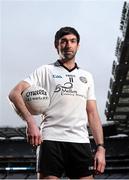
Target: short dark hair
{"type": "Point", "coordinates": [65, 31]}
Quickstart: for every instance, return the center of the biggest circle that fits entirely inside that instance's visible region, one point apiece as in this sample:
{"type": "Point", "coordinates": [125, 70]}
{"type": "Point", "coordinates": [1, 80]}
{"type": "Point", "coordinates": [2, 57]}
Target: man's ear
{"type": "Point", "coordinates": [78, 46]}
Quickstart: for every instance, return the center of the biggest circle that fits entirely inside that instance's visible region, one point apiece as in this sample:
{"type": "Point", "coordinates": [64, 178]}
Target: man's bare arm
{"type": "Point", "coordinates": [16, 98]}
{"type": "Point", "coordinates": [97, 132]}
{"type": "Point", "coordinates": [33, 134]}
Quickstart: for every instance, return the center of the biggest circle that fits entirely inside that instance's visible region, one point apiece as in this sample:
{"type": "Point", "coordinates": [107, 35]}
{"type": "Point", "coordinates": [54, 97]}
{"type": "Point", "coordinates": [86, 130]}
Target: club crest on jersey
{"type": "Point", "coordinates": [83, 79]}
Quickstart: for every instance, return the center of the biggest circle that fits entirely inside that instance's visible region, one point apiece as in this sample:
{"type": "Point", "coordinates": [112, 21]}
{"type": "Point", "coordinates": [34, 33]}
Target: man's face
{"type": "Point", "coordinates": [68, 47]}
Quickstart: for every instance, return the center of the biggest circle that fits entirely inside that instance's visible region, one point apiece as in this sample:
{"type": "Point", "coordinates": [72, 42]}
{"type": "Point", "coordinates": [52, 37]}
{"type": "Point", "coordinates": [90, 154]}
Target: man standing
{"type": "Point", "coordinates": [63, 142]}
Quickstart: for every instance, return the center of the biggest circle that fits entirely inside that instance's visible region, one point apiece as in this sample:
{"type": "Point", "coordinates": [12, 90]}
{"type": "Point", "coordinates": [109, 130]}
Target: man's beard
{"type": "Point", "coordinates": [68, 56]}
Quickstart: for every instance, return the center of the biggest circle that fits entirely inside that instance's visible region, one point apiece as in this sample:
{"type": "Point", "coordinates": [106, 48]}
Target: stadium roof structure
{"type": "Point", "coordinates": [117, 105]}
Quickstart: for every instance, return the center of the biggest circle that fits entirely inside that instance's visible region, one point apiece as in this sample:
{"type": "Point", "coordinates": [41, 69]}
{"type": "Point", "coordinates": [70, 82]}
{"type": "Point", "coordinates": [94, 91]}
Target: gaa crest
{"type": "Point", "coordinates": [83, 79]}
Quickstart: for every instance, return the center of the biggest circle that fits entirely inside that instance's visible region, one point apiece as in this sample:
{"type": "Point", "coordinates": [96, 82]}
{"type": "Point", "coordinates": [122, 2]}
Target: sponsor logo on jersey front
{"type": "Point", "coordinates": [67, 89]}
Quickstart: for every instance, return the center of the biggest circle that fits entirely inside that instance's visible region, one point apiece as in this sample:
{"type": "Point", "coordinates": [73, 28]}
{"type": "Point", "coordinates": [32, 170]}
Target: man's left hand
{"type": "Point", "coordinates": [99, 160]}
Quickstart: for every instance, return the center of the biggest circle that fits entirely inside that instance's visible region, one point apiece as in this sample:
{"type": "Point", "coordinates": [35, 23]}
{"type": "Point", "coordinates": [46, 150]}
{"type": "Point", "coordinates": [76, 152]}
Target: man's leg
{"type": "Point", "coordinates": [80, 161]}
{"type": "Point", "coordinates": [41, 176]}
{"type": "Point", "coordinates": [49, 160]}
{"type": "Point", "coordinates": [87, 177]}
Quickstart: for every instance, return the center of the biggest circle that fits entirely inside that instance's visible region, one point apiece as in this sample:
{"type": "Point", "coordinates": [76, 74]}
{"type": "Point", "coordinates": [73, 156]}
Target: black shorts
{"type": "Point", "coordinates": [59, 158]}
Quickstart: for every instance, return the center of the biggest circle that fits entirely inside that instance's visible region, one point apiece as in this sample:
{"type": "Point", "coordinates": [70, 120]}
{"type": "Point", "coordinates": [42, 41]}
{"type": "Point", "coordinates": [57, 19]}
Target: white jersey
{"type": "Point", "coordinates": [69, 90]}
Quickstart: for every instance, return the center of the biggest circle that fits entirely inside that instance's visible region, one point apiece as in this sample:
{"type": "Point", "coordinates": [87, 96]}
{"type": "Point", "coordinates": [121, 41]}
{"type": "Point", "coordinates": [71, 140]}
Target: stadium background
{"type": "Point", "coordinates": [17, 158]}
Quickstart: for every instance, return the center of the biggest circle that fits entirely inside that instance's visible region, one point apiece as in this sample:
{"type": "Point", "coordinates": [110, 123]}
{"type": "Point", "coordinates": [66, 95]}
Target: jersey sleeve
{"type": "Point", "coordinates": [91, 90]}
{"type": "Point", "coordinates": [37, 78]}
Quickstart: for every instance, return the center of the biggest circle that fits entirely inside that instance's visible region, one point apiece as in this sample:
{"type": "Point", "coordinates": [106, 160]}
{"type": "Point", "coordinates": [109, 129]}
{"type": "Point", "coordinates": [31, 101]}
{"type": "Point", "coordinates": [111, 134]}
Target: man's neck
{"type": "Point", "coordinates": [68, 64]}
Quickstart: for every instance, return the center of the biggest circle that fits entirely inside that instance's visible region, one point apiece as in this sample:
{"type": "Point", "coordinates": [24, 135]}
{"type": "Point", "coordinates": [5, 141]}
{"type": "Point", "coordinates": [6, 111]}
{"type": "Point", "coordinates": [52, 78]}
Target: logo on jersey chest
{"type": "Point", "coordinates": [67, 85]}
{"type": "Point", "coordinates": [83, 79]}
{"type": "Point", "coordinates": [57, 76]}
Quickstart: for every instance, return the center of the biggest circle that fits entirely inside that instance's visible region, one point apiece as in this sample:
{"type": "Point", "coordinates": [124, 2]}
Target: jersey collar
{"type": "Point", "coordinates": [59, 63]}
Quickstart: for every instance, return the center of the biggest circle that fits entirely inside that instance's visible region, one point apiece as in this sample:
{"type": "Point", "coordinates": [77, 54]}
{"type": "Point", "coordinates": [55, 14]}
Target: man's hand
{"type": "Point", "coordinates": [33, 134]}
{"type": "Point", "coordinates": [99, 160]}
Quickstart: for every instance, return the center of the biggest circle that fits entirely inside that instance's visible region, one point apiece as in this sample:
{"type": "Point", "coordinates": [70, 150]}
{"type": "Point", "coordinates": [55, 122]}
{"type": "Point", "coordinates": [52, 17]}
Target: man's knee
{"type": "Point", "coordinates": [87, 177]}
{"type": "Point", "coordinates": [42, 176]}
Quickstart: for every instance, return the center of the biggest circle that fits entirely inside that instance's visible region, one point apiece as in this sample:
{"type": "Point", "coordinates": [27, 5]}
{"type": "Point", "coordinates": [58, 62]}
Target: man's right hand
{"type": "Point", "coordinates": [32, 131]}
{"type": "Point", "coordinates": [33, 134]}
